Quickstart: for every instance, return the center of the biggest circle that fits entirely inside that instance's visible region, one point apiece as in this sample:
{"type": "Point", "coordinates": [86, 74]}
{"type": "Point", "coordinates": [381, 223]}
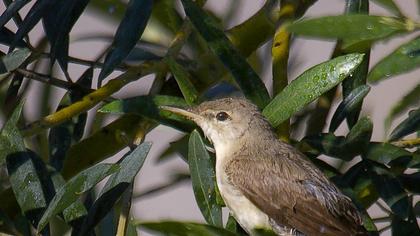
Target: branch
{"type": "Point", "coordinates": [51, 80]}
{"type": "Point", "coordinates": [407, 143]}
{"type": "Point", "coordinates": [91, 99]}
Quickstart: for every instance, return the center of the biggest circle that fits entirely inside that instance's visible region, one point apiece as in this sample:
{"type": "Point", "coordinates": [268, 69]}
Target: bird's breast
{"type": "Point", "coordinates": [242, 209]}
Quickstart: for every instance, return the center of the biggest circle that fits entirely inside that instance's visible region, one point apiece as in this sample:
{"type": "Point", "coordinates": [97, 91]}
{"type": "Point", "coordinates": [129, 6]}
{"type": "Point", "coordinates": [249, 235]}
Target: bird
{"type": "Point", "coordinates": [267, 183]}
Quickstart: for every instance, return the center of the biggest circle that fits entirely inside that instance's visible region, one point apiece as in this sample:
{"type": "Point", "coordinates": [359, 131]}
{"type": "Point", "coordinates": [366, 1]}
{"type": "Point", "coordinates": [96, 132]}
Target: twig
{"type": "Point", "coordinates": [172, 183]}
{"type": "Point", "coordinates": [382, 219]}
{"type": "Point", "coordinates": [125, 211]}
{"type": "Point", "coordinates": [384, 208]}
{"type": "Point", "coordinates": [49, 80]}
{"type": "Point", "coordinates": [407, 143]}
{"type": "Point", "coordinates": [384, 229]}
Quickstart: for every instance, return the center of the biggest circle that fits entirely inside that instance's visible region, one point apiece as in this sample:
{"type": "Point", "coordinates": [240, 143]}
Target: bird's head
{"type": "Point", "coordinates": [225, 120]}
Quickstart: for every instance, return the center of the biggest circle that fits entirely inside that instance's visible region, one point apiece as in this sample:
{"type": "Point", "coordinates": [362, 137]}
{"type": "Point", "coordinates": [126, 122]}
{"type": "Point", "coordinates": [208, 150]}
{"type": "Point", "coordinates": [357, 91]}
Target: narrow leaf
{"type": "Point", "coordinates": [386, 153]}
{"type": "Point", "coordinates": [13, 60]}
{"type": "Point", "coordinates": [115, 186]}
{"type": "Point", "coordinates": [11, 10]}
{"type": "Point", "coordinates": [182, 229]}
{"type": "Point", "coordinates": [203, 179]}
{"type": "Point", "coordinates": [409, 100]}
{"type": "Point", "coordinates": [352, 101]}
{"type": "Point", "coordinates": [390, 6]}
{"type": "Point", "coordinates": [11, 140]}
{"type": "Point", "coordinates": [26, 184]}
{"type": "Point", "coordinates": [350, 27]}
{"type": "Point", "coordinates": [309, 86]}
{"type": "Point", "coordinates": [183, 78]}
{"type": "Point", "coordinates": [250, 83]}
{"type": "Point", "coordinates": [117, 135]}
{"type": "Point", "coordinates": [7, 37]}
{"type": "Point", "coordinates": [128, 33]}
{"type": "Point", "coordinates": [408, 126]}
{"type": "Point", "coordinates": [58, 23]}
{"type": "Point", "coordinates": [391, 191]}
{"type": "Point", "coordinates": [72, 190]}
{"type": "Point", "coordinates": [402, 60]}
{"type": "Point", "coordinates": [148, 106]}
{"type": "Point", "coordinates": [34, 15]}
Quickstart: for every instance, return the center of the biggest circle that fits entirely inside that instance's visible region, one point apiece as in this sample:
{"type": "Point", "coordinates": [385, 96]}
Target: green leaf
{"type": "Point", "coordinates": [26, 184]}
{"type": "Point", "coordinates": [76, 210]}
{"type": "Point", "coordinates": [408, 126]}
{"type": "Point", "coordinates": [402, 60]}
{"type": "Point", "coordinates": [117, 135]}
{"type": "Point", "coordinates": [309, 86]}
{"type": "Point", "coordinates": [360, 135]}
{"type": "Point", "coordinates": [250, 83]}
{"type": "Point", "coordinates": [405, 226]}
{"type": "Point", "coordinates": [350, 27]}
{"type": "Point", "coordinates": [115, 186]}
{"type": "Point", "coordinates": [252, 33]}
{"type": "Point", "coordinates": [174, 228]}
{"type": "Point", "coordinates": [409, 100]}
{"type": "Point", "coordinates": [183, 78]}
{"type": "Point", "coordinates": [13, 60]}
{"type": "Point", "coordinates": [128, 33]}
{"type": "Point", "coordinates": [72, 190]}
{"type": "Point", "coordinates": [348, 105]}
{"type": "Point", "coordinates": [203, 179]}
{"type": "Point", "coordinates": [148, 106]}
{"type": "Point", "coordinates": [11, 140]}
{"type": "Point", "coordinates": [386, 153]}
{"type": "Point", "coordinates": [390, 6]}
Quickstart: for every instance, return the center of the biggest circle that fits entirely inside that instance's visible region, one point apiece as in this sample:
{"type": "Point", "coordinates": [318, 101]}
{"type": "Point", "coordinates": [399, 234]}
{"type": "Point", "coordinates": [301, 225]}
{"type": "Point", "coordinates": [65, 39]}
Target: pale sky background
{"type": "Point", "coordinates": [179, 203]}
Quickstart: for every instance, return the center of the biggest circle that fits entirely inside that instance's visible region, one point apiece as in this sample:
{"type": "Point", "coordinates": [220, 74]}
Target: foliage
{"type": "Point", "coordinates": [53, 164]}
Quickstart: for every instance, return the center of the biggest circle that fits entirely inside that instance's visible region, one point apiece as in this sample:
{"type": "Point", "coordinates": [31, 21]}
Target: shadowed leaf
{"type": "Point", "coordinates": [409, 100]}
{"type": "Point", "coordinates": [309, 86]}
{"type": "Point", "coordinates": [408, 126]}
{"type": "Point", "coordinates": [11, 10]}
{"type": "Point", "coordinates": [38, 10]}
{"type": "Point", "coordinates": [128, 33]}
{"type": "Point", "coordinates": [348, 105]}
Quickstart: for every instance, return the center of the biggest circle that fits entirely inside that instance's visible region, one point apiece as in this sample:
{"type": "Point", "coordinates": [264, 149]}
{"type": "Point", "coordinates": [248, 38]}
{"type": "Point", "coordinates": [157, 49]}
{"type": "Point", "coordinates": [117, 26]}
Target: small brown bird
{"type": "Point", "coordinates": [265, 182]}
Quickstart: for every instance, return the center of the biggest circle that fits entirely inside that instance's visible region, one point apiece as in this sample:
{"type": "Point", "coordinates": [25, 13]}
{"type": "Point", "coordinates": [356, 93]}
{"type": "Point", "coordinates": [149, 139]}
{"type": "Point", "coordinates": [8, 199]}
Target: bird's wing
{"type": "Point", "coordinates": [292, 201]}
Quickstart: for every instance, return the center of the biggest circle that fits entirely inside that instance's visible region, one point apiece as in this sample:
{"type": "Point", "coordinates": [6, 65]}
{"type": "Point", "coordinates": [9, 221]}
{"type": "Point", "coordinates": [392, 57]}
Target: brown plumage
{"type": "Point", "coordinates": [266, 182]}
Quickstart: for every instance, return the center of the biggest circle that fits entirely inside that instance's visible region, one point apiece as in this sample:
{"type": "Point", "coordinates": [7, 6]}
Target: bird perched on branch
{"type": "Point", "coordinates": [267, 183]}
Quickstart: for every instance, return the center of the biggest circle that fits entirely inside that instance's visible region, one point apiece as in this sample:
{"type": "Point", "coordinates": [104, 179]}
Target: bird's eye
{"type": "Point", "coordinates": [222, 116]}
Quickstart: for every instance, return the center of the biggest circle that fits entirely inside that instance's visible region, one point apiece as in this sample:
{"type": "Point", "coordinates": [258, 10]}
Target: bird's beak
{"type": "Point", "coordinates": [187, 113]}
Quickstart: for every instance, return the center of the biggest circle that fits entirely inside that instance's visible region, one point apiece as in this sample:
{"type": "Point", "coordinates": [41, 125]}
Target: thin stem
{"type": "Point", "coordinates": [384, 208]}
{"type": "Point", "coordinates": [46, 79]}
{"type": "Point", "coordinates": [382, 219]}
{"type": "Point", "coordinates": [407, 143]}
{"type": "Point", "coordinates": [384, 229]}
{"type": "Point", "coordinates": [125, 211]}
